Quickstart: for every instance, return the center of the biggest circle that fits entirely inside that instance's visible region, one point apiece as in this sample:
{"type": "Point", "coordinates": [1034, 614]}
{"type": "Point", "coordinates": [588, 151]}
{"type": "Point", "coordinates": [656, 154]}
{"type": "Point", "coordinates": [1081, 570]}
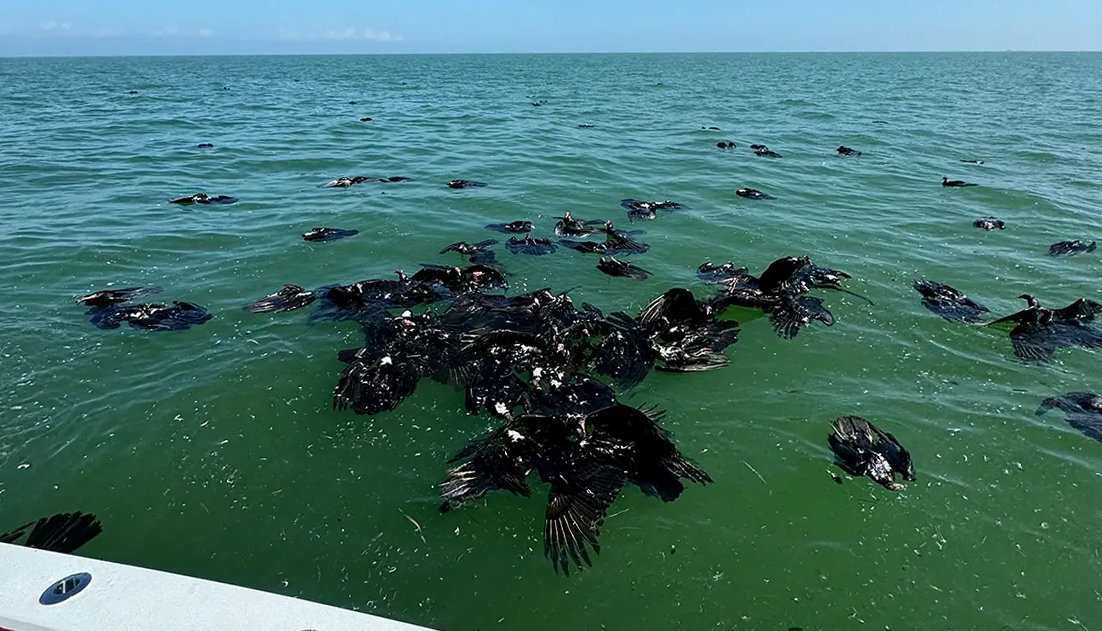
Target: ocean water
{"type": "Point", "coordinates": [215, 452]}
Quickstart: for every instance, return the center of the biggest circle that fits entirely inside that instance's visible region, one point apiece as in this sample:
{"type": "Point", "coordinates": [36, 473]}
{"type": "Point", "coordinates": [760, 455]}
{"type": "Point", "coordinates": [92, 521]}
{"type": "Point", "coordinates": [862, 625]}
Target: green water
{"type": "Point", "coordinates": [215, 452]}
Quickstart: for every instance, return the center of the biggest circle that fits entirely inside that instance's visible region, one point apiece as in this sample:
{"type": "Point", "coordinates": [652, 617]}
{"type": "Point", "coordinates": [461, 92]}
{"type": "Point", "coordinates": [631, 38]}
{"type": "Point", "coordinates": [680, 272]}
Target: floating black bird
{"type": "Point", "coordinates": [289, 298]}
{"type": "Point", "coordinates": [863, 449]}
{"type": "Point", "coordinates": [949, 303]}
{"type": "Point", "coordinates": [178, 316]}
{"type": "Point", "coordinates": [109, 297]}
{"type": "Point", "coordinates": [620, 242]}
{"type": "Point", "coordinates": [846, 151]}
{"type": "Point", "coordinates": [328, 234]}
{"type": "Point", "coordinates": [460, 279]}
{"type": "Point", "coordinates": [778, 293]}
{"type": "Point", "coordinates": [725, 145]}
{"type": "Point", "coordinates": [793, 312]}
{"type": "Point", "coordinates": [765, 152]}
{"type": "Point", "coordinates": [957, 183]}
{"type": "Point", "coordinates": [345, 182]}
{"type": "Point", "coordinates": [647, 210]}
{"type": "Point", "coordinates": [64, 532]}
{"type": "Point", "coordinates": [465, 184]}
{"type": "Point", "coordinates": [1040, 331]}
{"type": "Point", "coordinates": [369, 297]}
{"type": "Point", "coordinates": [711, 273]}
{"type": "Point", "coordinates": [1071, 247]}
{"type": "Point", "coordinates": [530, 245]}
{"type": "Point", "coordinates": [477, 253]}
{"type": "Point", "coordinates": [568, 226]}
{"type": "Point", "coordinates": [684, 332]}
{"type": "Point", "coordinates": [1083, 410]}
{"type": "Point", "coordinates": [752, 193]}
{"type": "Point", "coordinates": [609, 265]}
{"type": "Point", "coordinates": [203, 198]}
{"type": "Point", "coordinates": [989, 223]}
{"type": "Point", "coordinates": [625, 354]}
{"type": "Point", "coordinates": [588, 247]}
{"type": "Point", "coordinates": [586, 461]}
{"type": "Point", "coordinates": [513, 227]}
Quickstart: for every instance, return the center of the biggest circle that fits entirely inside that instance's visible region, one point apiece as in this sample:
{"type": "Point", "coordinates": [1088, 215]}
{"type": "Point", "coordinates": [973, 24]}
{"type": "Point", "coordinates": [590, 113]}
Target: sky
{"type": "Point", "coordinates": [217, 27]}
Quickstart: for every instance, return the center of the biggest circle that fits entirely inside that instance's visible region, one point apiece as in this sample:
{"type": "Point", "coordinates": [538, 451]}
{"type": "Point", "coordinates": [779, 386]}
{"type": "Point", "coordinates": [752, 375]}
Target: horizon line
{"type": "Point", "coordinates": [489, 53]}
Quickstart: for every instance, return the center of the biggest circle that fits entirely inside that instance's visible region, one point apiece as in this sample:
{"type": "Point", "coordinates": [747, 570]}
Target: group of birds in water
{"type": "Point", "coordinates": [549, 370]}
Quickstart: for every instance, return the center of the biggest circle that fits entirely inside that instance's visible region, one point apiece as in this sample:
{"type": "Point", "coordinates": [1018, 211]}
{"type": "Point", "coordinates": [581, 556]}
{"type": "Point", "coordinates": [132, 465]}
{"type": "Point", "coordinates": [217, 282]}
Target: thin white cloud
{"type": "Point", "coordinates": [205, 32]}
{"type": "Point", "coordinates": [56, 26]}
{"type": "Point", "coordinates": [381, 36]}
{"type": "Point", "coordinates": [346, 34]}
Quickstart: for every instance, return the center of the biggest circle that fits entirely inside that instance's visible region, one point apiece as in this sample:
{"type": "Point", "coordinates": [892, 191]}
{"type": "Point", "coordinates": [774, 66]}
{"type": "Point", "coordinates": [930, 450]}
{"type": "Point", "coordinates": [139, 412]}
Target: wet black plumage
{"type": "Point", "coordinates": [949, 303]}
{"type": "Point", "coordinates": [863, 449]}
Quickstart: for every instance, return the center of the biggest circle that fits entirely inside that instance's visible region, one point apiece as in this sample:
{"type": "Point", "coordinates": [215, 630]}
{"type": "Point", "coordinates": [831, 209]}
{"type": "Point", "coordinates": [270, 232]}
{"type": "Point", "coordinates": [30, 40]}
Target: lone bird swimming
{"type": "Point", "coordinates": [945, 181]}
{"type": "Point", "coordinates": [989, 223]}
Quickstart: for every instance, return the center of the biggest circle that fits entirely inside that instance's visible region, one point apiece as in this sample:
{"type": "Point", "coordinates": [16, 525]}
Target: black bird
{"type": "Point", "coordinates": [711, 273]}
{"type": "Point", "coordinates": [1083, 410]}
{"type": "Point", "coordinates": [513, 227]}
{"type": "Point", "coordinates": [778, 293]}
{"type": "Point", "coordinates": [625, 354]}
{"type": "Point", "coordinates": [647, 210]}
{"type": "Point", "coordinates": [178, 316]}
{"type": "Point", "coordinates": [64, 532]}
{"type": "Point", "coordinates": [586, 461]}
{"type": "Point", "coordinates": [1040, 331]}
{"type": "Point", "coordinates": [788, 275]}
{"type": "Point", "coordinates": [588, 247]}
{"type": "Point", "coordinates": [620, 242]}
{"type": "Point", "coordinates": [108, 297]}
{"type": "Point", "coordinates": [568, 226]}
{"type": "Point", "coordinates": [612, 267]}
{"type": "Point", "coordinates": [684, 332]}
{"type": "Point", "coordinates": [764, 152]}
{"type": "Point", "coordinates": [752, 193]}
{"type": "Point", "coordinates": [203, 198]}
{"type": "Point", "coordinates": [465, 184]}
{"type": "Point", "coordinates": [957, 183]}
{"type": "Point", "coordinates": [949, 303]}
{"type": "Point", "coordinates": [460, 279]}
{"type": "Point", "coordinates": [530, 245]}
{"type": "Point", "coordinates": [477, 253]}
{"type": "Point", "coordinates": [1071, 247]}
{"type": "Point", "coordinates": [794, 312]}
{"type": "Point", "coordinates": [371, 386]}
{"type": "Point", "coordinates": [725, 145]}
{"type": "Point", "coordinates": [328, 234]}
{"type": "Point", "coordinates": [345, 182]}
{"type": "Point", "coordinates": [863, 449]}
{"type": "Point", "coordinates": [989, 223]}
{"type": "Point", "coordinates": [289, 298]}
{"type": "Point", "coordinates": [369, 297]}
{"type": "Point", "coordinates": [846, 151]}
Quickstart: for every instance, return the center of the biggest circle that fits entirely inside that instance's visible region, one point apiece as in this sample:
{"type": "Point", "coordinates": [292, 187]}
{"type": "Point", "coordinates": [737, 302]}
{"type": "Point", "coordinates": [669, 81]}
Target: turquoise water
{"type": "Point", "coordinates": [214, 452]}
